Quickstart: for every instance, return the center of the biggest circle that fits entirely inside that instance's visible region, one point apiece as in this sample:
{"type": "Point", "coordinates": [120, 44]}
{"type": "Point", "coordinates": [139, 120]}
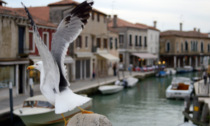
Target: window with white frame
{"type": "Point", "coordinates": [31, 42]}
{"type": "Point", "coordinates": [45, 37]}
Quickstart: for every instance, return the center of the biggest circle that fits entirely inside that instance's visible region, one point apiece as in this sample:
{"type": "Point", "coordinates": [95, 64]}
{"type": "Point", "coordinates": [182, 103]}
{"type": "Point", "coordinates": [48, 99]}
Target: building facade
{"type": "Point", "coordinates": [135, 42]}
{"type": "Point", "coordinates": [184, 48]}
{"type": "Point", "coordinates": [13, 49]}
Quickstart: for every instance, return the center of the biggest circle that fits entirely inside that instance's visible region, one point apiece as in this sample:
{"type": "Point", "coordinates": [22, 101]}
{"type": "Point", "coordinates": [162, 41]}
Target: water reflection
{"type": "Point", "coordinates": [143, 105]}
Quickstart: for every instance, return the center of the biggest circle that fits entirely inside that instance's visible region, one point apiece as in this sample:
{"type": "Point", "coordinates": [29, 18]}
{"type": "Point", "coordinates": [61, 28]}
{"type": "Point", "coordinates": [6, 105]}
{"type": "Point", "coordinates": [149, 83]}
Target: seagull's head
{"type": "Point", "coordinates": [38, 65]}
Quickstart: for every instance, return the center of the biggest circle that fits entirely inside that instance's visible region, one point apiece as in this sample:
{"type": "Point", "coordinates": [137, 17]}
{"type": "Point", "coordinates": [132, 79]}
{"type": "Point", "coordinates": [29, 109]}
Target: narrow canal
{"type": "Point", "coordinates": [143, 105]}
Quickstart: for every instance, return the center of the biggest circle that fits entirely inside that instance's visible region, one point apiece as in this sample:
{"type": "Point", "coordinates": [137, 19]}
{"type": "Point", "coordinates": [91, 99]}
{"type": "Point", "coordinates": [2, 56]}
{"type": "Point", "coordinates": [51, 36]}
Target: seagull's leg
{"type": "Point", "coordinates": [84, 111]}
{"type": "Point", "coordinates": [64, 119]}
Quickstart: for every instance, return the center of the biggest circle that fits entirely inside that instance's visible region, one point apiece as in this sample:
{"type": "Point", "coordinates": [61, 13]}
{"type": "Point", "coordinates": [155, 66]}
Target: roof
{"type": "Point", "coordinates": [71, 2]}
{"type": "Point", "coordinates": [124, 23]}
{"type": "Point", "coordinates": [40, 15]}
{"type": "Point", "coordinates": [63, 2]}
{"type": "Point", "coordinates": [184, 34]}
{"type": "Point", "coordinates": [146, 26]}
{"type": "Point", "coordinates": [43, 12]}
{"type": "Point", "coordinates": [11, 12]}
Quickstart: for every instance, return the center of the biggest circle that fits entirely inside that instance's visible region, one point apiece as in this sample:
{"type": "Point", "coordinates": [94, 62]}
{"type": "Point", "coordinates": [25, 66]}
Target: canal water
{"type": "Point", "coordinates": [143, 105]}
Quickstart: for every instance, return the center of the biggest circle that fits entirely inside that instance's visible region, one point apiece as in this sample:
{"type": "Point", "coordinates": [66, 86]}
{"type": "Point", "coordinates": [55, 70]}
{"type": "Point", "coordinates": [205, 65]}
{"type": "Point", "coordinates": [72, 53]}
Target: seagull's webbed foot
{"type": "Point", "coordinates": [65, 122]}
{"type": "Point", "coordinates": [84, 111]}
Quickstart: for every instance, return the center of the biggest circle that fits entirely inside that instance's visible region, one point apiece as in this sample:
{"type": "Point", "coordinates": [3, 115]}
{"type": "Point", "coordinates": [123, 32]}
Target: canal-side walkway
{"type": "Point", "coordinates": [80, 86]}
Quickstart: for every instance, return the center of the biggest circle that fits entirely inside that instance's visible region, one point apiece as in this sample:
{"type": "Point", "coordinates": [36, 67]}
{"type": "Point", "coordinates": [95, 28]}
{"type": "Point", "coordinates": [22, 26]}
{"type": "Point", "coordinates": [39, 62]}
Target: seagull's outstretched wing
{"type": "Point", "coordinates": [67, 31]}
{"type": "Point", "coordinates": [51, 71]}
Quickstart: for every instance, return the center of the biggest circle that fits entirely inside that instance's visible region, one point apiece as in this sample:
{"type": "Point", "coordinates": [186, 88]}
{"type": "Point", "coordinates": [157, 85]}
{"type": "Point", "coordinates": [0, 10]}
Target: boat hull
{"type": "Point", "coordinates": [48, 117]}
{"type": "Point", "coordinates": [179, 93]}
{"type": "Point", "coordinates": [110, 89]}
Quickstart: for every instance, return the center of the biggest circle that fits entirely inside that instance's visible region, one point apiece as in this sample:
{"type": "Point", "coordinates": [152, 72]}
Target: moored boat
{"type": "Point", "coordinates": [170, 71]}
{"type": "Point", "coordinates": [128, 82]}
{"type": "Point", "coordinates": [110, 89]}
{"type": "Point", "coordinates": [161, 74]}
{"type": "Point", "coordinates": [180, 87]}
{"type": "Point", "coordinates": [38, 111]}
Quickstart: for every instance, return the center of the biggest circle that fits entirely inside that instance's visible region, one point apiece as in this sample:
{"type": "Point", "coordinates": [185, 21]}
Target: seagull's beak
{"type": "Point", "coordinates": [30, 67]}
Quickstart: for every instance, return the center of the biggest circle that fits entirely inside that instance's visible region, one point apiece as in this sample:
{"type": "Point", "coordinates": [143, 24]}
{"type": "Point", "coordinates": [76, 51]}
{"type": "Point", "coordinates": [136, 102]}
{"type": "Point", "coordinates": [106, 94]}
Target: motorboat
{"type": "Point", "coordinates": [127, 82]}
{"type": "Point", "coordinates": [180, 87]}
{"type": "Point", "coordinates": [110, 89]}
{"type": "Point", "coordinates": [38, 111]}
{"type": "Point", "coordinates": [188, 68]}
{"type": "Point", "coordinates": [170, 71]}
{"type": "Point", "coordinates": [185, 69]}
{"type": "Point", "coordinates": [161, 74]}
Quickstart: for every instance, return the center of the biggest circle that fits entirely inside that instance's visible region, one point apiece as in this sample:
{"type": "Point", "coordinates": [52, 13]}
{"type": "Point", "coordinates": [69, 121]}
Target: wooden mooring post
{"type": "Point", "coordinates": [200, 115]}
{"type": "Point", "coordinates": [187, 108]}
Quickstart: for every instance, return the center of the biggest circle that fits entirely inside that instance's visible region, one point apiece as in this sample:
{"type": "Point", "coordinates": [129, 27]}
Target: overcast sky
{"type": "Point", "coordinates": [167, 13]}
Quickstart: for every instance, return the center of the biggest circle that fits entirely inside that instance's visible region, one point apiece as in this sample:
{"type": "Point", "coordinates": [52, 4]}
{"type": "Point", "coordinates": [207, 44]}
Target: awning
{"type": "Point", "coordinates": [108, 56]}
{"type": "Point", "coordinates": [67, 60]}
{"type": "Point", "coordinates": [83, 54]}
{"type": "Point", "coordinates": [145, 55]}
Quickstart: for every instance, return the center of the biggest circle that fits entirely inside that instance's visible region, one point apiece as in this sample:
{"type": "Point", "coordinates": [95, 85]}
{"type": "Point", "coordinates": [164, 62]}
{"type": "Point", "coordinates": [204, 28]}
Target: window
{"type": "Point", "coordinates": [167, 46]}
{"type": "Point", "coordinates": [105, 43]}
{"type": "Point", "coordinates": [177, 47]}
{"type": "Point", "coordinates": [121, 38]}
{"type": "Point", "coordinates": [182, 47]}
{"type": "Point", "coordinates": [208, 48]}
{"type": "Point", "coordinates": [145, 41]}
{"type": "Point", "coordinates": [31, 43]}
{"type": "Point", "coordinates": [46, 38]}
{"type": "Point", "coordinates": [191, 45]}
{"type": "Point", "coordinates": [79, 42]}
{"type": "Point", "coordinates": [186, 46]}
{"type": "Point", "coordinates": [98, 17]}
{"type": "Point", "coordinates": [86, 41]}
{"type": "Point", "coordinates": [202, 47]}
{"type": "Point", "coordinates": [130, 40]}
{"type": "Point", "coordinates": [140, 44]}
{"type": "Point", "coordinates": [93, 16]}
{"type": "Point", "coordinates": [136, 40]}
{"type": "Point", "coordinates": [98, 43]}
{"type": "Point", "coordinates": [116, 45]}
{"type": "Point", "coordinates": [110, 43]}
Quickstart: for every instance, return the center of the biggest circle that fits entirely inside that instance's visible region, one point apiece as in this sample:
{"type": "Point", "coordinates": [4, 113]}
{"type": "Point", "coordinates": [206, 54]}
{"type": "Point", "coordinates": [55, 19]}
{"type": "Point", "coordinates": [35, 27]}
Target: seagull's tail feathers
{"type": "Point", "coordinates": [68, 100]}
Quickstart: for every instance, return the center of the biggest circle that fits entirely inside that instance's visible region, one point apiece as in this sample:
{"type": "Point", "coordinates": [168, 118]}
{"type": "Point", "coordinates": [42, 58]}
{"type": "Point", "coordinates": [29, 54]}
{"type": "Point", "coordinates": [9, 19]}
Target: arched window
{"type": "Point", "coordinates": [167, 46]}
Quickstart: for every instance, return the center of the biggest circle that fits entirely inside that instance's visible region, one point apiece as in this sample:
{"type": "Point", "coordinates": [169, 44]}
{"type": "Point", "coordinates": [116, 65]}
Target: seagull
{"type": "Point", "coordinates": [54, 84]}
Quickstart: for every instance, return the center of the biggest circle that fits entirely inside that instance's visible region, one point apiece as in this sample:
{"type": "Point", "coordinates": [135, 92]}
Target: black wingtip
{"type": "Point", "coordinates": [28, 14]}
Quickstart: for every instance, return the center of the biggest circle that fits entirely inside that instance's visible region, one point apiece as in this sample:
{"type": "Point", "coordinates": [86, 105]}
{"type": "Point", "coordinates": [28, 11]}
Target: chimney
{"type": "Point", "coordinates": [155, 23]}
{"type": "Point", "coordinates": [194, 29]}
{"type": "Point", "coordinates": [198, 30]}
{"type": "Point", "coordinates": [2, 2]}
{"type": "Point", "coordinates": [180, 25]}
{"type": "Point", "coordinates": [115, 21]}
{"type": "Point", "coordinates": [109, 18]}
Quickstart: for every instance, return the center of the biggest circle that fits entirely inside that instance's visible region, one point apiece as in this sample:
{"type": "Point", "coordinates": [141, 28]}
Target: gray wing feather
{"type": "Point", "coordinates": [51, 70]}
{"type": "Point", "coordinates": [67, 31]}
